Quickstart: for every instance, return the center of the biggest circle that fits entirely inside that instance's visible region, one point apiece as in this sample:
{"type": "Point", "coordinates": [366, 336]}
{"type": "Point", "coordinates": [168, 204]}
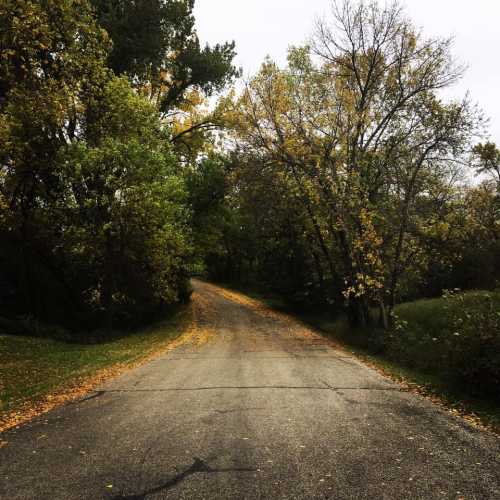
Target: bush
{"type": "Point", "coordinates": [457, 336]}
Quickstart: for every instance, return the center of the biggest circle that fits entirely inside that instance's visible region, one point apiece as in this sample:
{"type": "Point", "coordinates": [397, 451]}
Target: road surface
{"type": "Point", "coordinates": [264, 409]}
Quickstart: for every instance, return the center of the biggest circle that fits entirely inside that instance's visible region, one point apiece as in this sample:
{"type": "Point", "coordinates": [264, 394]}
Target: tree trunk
{"type": "Point", "coordinates": [383, 320]}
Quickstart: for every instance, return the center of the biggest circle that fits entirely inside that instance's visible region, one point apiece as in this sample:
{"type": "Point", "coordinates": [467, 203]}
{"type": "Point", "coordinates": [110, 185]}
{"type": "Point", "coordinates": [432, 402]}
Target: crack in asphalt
{"type": "Point", "coordinates": [88, 398]}
{"type": "Point", "coordinates": [242, 410]}
{"type": "Point", "coordinates": [326, 387]}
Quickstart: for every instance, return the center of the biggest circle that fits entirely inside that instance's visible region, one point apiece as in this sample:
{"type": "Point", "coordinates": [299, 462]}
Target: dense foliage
{"type": "Point", "coordinates": [341, 181]}
{"type": "Point", "coordinates": [349, 183]}
{"type": "Point", "coordinates": [458, 336]}
{"type": "Point", "coordinates": [156, 45]}
{"type": "Point", "coordinates": [96, 220]}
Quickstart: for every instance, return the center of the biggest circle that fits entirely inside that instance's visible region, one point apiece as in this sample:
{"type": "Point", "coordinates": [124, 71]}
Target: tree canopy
{"type": "Point", "coordinates": [340, 181]}
{"type": "Point", "coordinates": [356, 128]}
{"type": "Point", "coordinates": [96, 222]}
{"type": "Point", "coordinates": [155, 44]}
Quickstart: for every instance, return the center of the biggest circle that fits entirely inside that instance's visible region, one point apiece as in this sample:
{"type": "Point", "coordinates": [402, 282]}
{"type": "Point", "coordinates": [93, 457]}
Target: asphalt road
{"type": "Point", "coordinates": [264, 409]}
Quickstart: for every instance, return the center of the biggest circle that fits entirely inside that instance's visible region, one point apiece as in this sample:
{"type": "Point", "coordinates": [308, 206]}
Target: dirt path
{"type": "Point", "coordinates": [257, 406]}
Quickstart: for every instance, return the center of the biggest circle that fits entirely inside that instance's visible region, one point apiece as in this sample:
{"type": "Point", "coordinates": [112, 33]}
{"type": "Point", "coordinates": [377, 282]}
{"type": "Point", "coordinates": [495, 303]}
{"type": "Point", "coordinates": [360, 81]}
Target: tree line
{"type": "Point", "coordinates": [342, 181]}
{"type": "Point", "coordinates": [351, 181]}
{"type": "Point", "coordinates": [98, 130]}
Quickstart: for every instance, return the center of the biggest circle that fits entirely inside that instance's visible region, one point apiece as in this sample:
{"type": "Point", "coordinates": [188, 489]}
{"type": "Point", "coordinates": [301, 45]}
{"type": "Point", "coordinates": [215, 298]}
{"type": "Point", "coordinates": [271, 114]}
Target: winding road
{"type": "Point", "coordinates": [259, 406]}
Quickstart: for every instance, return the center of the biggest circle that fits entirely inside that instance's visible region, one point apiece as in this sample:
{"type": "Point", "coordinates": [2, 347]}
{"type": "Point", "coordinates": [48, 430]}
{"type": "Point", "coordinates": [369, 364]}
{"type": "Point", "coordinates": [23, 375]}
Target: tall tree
{"type": "Point", "coordinates": [53, 62]}
{"type": "Point", "coordinates": [156, 45]}
{"type": "Point", "coordinates": [356, 123]}
{"type": "Point", "coordinates": [93, 204]}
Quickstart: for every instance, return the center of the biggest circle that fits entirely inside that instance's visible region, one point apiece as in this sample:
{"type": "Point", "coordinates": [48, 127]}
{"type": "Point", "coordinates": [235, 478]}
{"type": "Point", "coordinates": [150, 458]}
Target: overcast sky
{"type": "Point", "coordinates": [268, 27]}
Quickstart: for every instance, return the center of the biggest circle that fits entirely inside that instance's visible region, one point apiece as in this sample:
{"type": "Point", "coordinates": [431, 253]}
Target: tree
{"type": "Point", "coordinates": [52, 63]}
{"type": "Point", "coordinates": [93, 201]}
{"type": "Point", "coordinates": [356, 124]}
{"type": "Point", "coordinates": [123, 218]}
{"type": "Point", "coordinates": [155, 44]}
{"type": "Point", "coordinates": [488, 160]}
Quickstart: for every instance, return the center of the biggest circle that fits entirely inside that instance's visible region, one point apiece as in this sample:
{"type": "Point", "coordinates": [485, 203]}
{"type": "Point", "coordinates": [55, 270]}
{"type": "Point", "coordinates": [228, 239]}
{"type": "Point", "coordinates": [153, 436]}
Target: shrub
{"type": "Point", "coordinates": [458, 336]}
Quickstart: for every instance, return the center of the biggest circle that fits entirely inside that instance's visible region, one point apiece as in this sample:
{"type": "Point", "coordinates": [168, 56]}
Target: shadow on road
{"type": "Point", "coordinates": [198, 466]}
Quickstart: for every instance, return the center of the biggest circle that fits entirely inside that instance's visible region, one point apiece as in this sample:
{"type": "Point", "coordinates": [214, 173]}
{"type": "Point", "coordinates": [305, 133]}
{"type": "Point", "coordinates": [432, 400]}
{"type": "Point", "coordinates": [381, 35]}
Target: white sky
{"type": "Point", "coordinates": [268, 27]}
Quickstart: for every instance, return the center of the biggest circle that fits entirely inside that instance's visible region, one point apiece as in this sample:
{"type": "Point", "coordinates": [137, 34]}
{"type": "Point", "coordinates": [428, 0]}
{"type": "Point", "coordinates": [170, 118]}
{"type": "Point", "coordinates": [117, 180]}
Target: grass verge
{"type": "Point", "coordinates": [39, 373]}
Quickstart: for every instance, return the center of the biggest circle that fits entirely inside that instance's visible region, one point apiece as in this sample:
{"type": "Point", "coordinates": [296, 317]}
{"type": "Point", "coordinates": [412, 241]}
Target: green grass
{"type": "Point", "coordinates": [32, 367]}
